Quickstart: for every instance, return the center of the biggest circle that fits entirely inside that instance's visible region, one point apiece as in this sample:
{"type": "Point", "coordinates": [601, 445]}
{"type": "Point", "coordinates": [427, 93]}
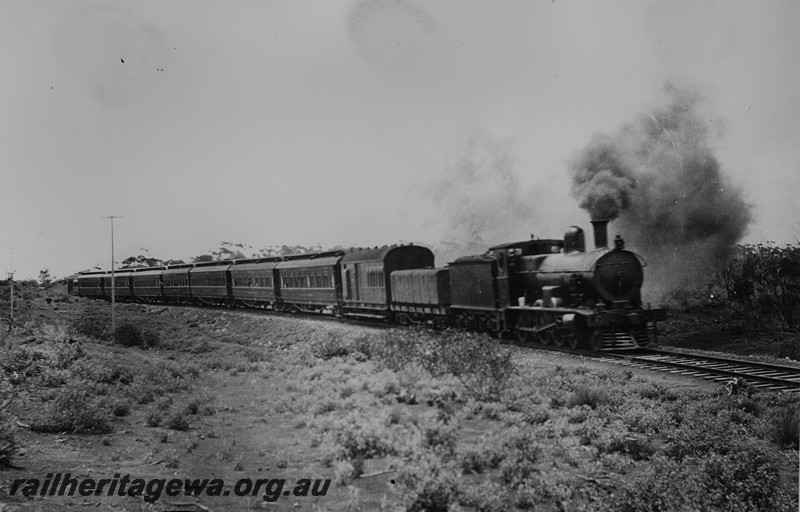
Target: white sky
{"type": "Point", "coordinates": [303, 122]}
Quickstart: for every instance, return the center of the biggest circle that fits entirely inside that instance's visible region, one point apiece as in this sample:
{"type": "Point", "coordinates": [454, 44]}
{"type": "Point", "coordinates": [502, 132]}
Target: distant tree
{"type": "Point", "coordinates": [236, 251]}
{"type": "Point", "coordinates": [230, 251]}
{"type": "Point", "coordinates": [141, 261]}
{"type": "Point", "coordinates": [145, 259]}
{"type": "Point", "coordinates": [44, 277]}
{"type": "Point", "coordinates": [287, 250]}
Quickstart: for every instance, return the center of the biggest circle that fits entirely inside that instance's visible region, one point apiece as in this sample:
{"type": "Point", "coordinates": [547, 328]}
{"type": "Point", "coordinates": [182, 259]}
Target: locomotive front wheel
{"type": "Point", "coordinates": [402, 319]}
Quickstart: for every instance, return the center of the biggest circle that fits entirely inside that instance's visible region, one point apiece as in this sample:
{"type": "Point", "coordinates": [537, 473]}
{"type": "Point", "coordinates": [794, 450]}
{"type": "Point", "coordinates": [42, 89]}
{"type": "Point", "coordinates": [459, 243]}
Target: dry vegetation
{"type": "Point", "coordinates": [750, 306]}
{"type": "Point", "coordinates": [398, 419]}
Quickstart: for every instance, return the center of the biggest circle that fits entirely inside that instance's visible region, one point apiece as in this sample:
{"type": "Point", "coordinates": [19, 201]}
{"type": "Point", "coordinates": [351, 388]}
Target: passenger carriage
{"type": "Point", "coordinates": [253, 282]}
{"type": "Point", "coordinates": [210, 283]}
{"type": "Point", "coordinates": [91, 284]}
{"type": "Point", "coordinates": [148, 285]}
{"type": "Point", "coordinates": [122, 285]}
{"type": "Point", "coordinates": [309, 282]}
{"type": "Point", "coordinates": [176, 283]}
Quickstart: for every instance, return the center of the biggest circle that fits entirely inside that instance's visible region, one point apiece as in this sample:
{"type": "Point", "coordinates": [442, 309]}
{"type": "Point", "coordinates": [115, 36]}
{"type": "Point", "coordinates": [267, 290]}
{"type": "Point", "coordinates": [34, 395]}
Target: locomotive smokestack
{"type": "Point", "coordinates": [600, 233]}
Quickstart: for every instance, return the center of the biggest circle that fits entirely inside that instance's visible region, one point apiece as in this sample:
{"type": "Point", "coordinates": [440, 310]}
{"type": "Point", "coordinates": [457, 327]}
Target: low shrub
{"type": "Point", "coordinates": [93, 323]}
{"type": "Point", "coordinates": [128, 335]}
{"type": "Point", "coordinates": [636, 448]}
{"type": "Point", "coordinates": [522, 453]}
{"type": "Point", "coordinates": [786, 428]}
{"type": "Point", "coordinates": [154, 418]}
{"type": "Point", "coordinates": [150, 338]}
{"type": "Point", "coordinates": [737, 481]}
{"type": "Point", "coordinates": [359, 444]}
{"type": "Point", "coordinates": [8, 442]}
{"type": "Point", "coordinates": [587, 396]}
{"type": "Point", "coordinates": [333, 345]}
{"type": "Point", "coordinates": [177, 421]}
{"type": "Point", "coordinates": [428, 485]}
{"type": "Point", "coordinates": [73, 410]}
{"type": "Point", "coordinates": [22, 363]}
{"type": "Point", "coordinates": [479, 460]}
{"type": "Point", "coordinates": [103, 371]}
{"type": "Point", "coordinates": [481, 365]}
{"type": "Point", "coordinates": [485, 497]}
{"type": "Point", "coordinates": [441, 437]}
{"type": "Point", "coordinates": [789, 348]}
{"type": "Point", "coordinates": [121, 408]}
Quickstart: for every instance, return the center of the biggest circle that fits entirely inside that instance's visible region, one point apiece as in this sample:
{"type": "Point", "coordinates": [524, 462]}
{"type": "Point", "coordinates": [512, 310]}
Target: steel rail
{"type": "Point", "coordinates": [771, 376]}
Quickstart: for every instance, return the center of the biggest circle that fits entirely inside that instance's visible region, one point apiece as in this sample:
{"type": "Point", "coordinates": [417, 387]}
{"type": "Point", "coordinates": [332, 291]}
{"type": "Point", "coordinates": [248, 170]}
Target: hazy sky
{"type": "Point", "coordinates": [361, 122]}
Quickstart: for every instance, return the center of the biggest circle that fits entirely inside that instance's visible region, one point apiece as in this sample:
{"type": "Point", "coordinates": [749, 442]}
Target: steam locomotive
{"type": "Point", "coordinates": [550, 291]}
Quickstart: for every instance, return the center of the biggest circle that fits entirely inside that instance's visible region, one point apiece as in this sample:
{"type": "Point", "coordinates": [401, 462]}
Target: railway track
{"type": "Point", "coordinates": [773, 377]}
{"type": "Point", "coordinates": [767, 376]}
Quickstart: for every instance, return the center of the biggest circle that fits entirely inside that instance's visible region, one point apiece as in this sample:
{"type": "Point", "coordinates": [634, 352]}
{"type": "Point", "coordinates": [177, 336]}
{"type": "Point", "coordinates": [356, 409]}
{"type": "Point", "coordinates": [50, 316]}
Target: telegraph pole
{"type": "Point", "coordinates": [113, 281]}
{"type": "Point", "coordinates": [11, 286]}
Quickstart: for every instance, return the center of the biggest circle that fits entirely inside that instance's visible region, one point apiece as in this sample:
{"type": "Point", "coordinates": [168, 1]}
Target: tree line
{"type": "Point", "coordinates": [226, 251]}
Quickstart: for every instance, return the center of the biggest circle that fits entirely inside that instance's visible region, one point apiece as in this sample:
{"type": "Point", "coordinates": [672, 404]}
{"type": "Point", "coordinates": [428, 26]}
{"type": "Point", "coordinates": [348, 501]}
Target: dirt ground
{"type": "Point", "coordinates": [250, 419]}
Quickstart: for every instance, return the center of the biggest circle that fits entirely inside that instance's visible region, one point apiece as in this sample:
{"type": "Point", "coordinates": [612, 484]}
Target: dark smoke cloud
{"type": "Point", "coordinates": [659, 177]}
{"type": "Point", "coordinates": [603, 180]}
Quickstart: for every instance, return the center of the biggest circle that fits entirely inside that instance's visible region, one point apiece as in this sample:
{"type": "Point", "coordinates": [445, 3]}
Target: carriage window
{"type": "Point", "coordinates": [375, 277]}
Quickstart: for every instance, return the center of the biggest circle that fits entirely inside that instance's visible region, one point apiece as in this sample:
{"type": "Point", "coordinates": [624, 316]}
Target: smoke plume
{"type": "Point", "coordinates": [603, 180]}
{"type": "Point", "coordinates": [481, 200]}
{"type": "Point", "coordinates": [658, 176]}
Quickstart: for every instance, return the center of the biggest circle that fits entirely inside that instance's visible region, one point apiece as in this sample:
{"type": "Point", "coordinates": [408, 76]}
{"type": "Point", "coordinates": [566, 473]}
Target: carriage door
{"type": "Point", "coordinates": [350, 283]}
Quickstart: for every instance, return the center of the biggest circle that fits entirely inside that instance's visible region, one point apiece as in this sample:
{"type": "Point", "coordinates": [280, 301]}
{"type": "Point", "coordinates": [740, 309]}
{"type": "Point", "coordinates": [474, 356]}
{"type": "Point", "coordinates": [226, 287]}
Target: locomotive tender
{"type": "Point", "coordinates": [550, 291]}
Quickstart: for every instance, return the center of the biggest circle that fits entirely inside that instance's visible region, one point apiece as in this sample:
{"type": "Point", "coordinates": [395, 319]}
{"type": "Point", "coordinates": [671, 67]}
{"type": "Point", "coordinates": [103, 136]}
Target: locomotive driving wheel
{"type": "Point", "coordinates": [593, 341]}
{"type": "Point", "coordinates": [523, 334]}
{"type": "Point", "coordinates": [570, 338]}
{"type": "Point", "coordinates": [560, 336]}
{"type": "Point", "coordinates": [546, 328]}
